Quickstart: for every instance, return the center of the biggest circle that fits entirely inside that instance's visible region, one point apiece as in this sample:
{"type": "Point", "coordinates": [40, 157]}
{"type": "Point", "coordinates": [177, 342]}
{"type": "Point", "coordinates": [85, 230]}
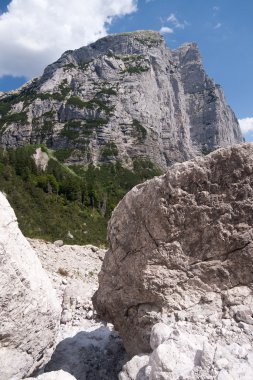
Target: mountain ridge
{"type": "Point", "coordinates": [122, 97]}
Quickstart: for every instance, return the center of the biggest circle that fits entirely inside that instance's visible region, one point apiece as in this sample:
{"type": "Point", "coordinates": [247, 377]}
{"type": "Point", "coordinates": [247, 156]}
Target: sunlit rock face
{"type": "Point", "coordinates": [29, 311]}
{"type": "Point", "coordinates": [122, 97]}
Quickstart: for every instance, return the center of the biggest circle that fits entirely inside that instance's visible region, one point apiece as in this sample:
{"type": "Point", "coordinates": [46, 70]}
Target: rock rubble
{"type": "Point", "coordinates": [86, 347]}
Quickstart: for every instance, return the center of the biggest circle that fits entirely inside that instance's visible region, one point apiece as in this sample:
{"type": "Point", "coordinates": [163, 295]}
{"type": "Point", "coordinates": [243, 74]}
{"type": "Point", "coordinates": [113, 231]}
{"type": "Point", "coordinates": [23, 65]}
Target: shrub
{"type": "Point", "coordinates": [140, 132]}
{"type": "Point", "coordinates": [109, 150]}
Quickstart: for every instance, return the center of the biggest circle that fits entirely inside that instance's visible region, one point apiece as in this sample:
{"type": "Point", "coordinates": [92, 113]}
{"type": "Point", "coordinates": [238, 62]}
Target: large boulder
{"type": "Point", "coordinates": [181, 249]}
{"type": "Point", "coordinates": [29, 310]}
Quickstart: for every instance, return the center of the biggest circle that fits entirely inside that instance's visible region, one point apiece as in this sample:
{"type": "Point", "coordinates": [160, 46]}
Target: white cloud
{"type": "Point", "coordinates": [34, 33]}
{"type": "Point", "coordinates": [166, 29]}
{"type": "Point", "coordinates": [246, 124]}
{"type": "Point", "coordinates": [217, 26]}
{"type": "Point", "coordinates": [175, 22]}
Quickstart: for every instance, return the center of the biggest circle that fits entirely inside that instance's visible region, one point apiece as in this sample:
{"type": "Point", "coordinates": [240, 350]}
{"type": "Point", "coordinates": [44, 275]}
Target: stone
{"type": "Point", "coordinates": [66, 316]}
{"type": "Point", "coordinates": [134, 368]}
{"type": "Point", "coordinates": [224, 375]}
{"type": "Point", "coordinates": [159, 334]}
{"type": "Point", "coordinates": [69, 235]}
{"type": "Point", "coordinates": [177, 356]}
{"type": "Point", "coordinates": [30, 311]}
{"type": "Point", "coordinates": [176, 238]}
{"type": "Point", "coordinates": [87, 349]}
{"type": "Point", "coordinates": [157, 103]}
{"type": "Point", "coordinates": [89, 315]}
{"type": "Point", "coordinates": [54, 375]}
{"type": "Point", "coordinates": [41, 159]}
{"type": "Point", "coordinates": [58, 243]}
{"type": "Point", "coordinates": [221, 363]}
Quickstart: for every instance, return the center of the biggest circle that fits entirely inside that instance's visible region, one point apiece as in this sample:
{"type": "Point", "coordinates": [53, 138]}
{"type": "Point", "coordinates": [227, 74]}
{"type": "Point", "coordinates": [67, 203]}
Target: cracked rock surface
{"type": "Point", "coordinates": [181, 251]}
{"type": "Point", "coordinates": [122, 97]}
{"type": "Point", "coordinates": [29, 309]}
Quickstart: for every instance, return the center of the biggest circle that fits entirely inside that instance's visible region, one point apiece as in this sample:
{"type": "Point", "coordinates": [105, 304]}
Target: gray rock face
{"type": "Point", "coordinates": [29, 312]}
{"type": "Point", "coordinates": [181, 249]}
{"type": "Point", "coordinates": [123, 97]}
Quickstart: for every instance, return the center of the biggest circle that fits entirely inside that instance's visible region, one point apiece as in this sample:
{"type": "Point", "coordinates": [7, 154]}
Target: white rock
{"type": "Point", "coordinates": [224, 375]}
{"type": "Point", "coordinates": [29, 312]}
{"type": "Point", "coordinates": [66, 316]}
{"type": "Point", "coordinates": [250, 358]}
{"type": "Point", "coordinates": [55, 375]}
{"type": "Point", "coordinates": [159, 333]}
{"type": "Point", "coordinates": [89, 315]}
{"type": "Point", "coordinates": [222, 363]}
{"type": "Point", "coordinates": [58, 243]}
{"type": "Point", "coordinates": [133, 367]}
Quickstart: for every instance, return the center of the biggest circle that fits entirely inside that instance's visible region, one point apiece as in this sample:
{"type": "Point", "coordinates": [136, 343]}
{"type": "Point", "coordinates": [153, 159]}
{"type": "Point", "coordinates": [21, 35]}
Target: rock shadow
{"type": "Point", "coordinates": [97, 354]}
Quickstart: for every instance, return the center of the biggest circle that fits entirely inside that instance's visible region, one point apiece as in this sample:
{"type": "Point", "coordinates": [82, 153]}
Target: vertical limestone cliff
{"type": "Point", "coordinates": [125, 96]}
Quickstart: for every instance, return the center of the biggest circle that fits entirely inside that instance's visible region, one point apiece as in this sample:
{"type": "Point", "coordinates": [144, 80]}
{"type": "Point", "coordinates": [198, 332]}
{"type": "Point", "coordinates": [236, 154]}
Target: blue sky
{"type": "Point", "coordinates": [223, 30]}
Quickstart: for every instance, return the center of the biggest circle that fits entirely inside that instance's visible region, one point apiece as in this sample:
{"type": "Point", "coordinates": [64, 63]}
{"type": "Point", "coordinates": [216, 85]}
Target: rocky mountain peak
{"type": "Point", "coordinates": [138, 42]}
{"type": "Point", "coordinates": [125, 97]}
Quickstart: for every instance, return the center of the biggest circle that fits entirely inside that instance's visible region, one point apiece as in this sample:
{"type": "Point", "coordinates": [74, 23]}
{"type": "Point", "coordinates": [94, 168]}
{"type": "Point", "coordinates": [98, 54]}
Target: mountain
{"type": "Point", "coordinates": [99, 121]}
{"type": "Point", "coordinates": [123, 97]}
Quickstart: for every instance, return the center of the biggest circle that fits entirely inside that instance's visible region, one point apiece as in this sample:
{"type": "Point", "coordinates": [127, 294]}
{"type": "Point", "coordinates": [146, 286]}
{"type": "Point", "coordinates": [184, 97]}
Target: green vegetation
{"type": "Point", "coordinates": [135, 64]}
{"type": "Point", "coordinates": [96, 122]}
{"type": "Point", "coordinates": [133, 57]}
{"type": "Point", "coordinates": [64, 88]}
{"type": "Point", "coordinates": [135, 69]}
{"type": "Point", "coordinates": [107, 91]}
{"type": "Point", "coordinates": [102, 105]}
{"type": "Point", "coordinates": [211, 95]}
{"type": "Point", "coordinates": [76, 101]}
{"type": "Point", "coordinates": [60, 96]}
{"type": "Point", "coordinates": [84, 66]}
{"type": "Point", "coordinates": [109, 150]}
{"type": "Point", "coordinates": [145, 37]}
{"type": "Point", "coordinates": [20, 117]}
{"type": "Point", "coordinates": [72, 129]}
{"type": "Point", "coordinates": [64, 199]}
{"type": "Point", "coordinates": [62, 154]}
{"type": "Point", "coordinates": [205, 150]}
{"type": "Point", "coordinates": [51, 96]}
{"type": "Point", "coordinates": [140, 132]}
{"type": "Point", "coordinates": [94, 103]}
{"type": "Point", "coordinates": [69, 66]}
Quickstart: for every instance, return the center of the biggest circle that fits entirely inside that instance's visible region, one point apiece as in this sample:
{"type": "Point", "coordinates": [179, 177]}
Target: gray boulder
{"type": "Point", "coordinates": [181, 249]}
{"type": "Point", "coordinates": [29, 310]}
